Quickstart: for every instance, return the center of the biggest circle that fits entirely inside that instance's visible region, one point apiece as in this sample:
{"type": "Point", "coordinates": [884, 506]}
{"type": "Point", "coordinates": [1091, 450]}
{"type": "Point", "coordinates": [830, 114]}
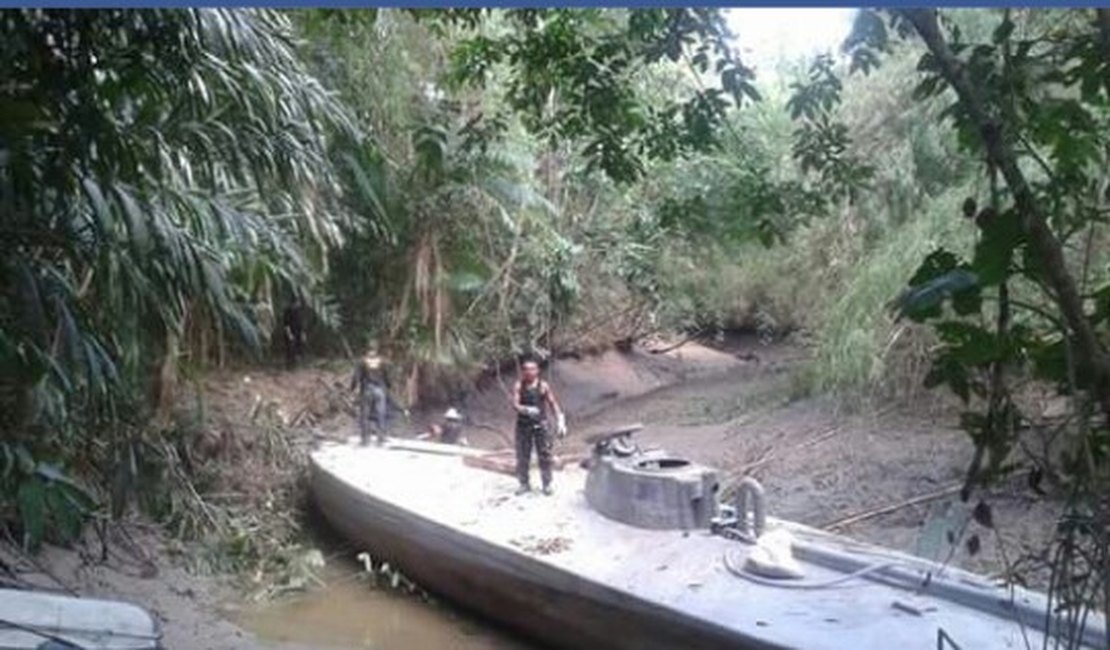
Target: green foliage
{"type": "Point", "coordinates": [49, 503]}
{"type": "Point", "coordinates": [474, 230]}
{"type": "Point", "coordinates": [159, 170]}
{"type": "Point", "coordinates": [1029, 98]}
{"type": "Point", "coordinates": [821, 144]}
{"type": "Point", "coordinates": [859, 347]}
{"type": "Point", "coordinates": [733, 196]}
{"type": "Point", "coordinates": [570, 75]}
{"type": "Point", "coordinates": [456, 253]}
{"type": "Point", "coordinates": [484, 182]}
{"type": "Point", "coordinates": [1019, 73]}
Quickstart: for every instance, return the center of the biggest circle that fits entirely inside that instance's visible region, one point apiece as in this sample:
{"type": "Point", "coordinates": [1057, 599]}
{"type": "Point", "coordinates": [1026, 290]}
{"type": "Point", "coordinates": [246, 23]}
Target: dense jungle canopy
{"type": "Point", "coordinates": [925, 207]}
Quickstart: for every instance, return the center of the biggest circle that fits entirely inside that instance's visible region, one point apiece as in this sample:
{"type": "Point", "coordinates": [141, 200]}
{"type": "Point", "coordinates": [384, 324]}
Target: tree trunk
{"type": "Point", "coordinates": [1102, 19]}
{"type": "Point", "coordinates": [164, 381]}
{"type": "Point", "coordinates": [1000, 152]}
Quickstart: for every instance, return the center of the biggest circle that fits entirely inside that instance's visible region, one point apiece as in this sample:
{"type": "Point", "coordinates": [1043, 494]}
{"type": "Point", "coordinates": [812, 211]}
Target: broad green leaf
{"type": "Point", "coordinates": [32, 511]}
{"type": "Point", "coordinates": [970, 344]}
{"type": "Point", "coordinates": [1001, 236]}
{"type": "Point", "coordinates": [65, 517]}
{"type": "Point", "coordinates": [924, 300]}
{"type": "Point", "coordinates": [946, 371]}
{"type": "Point", "coordinates": [78, 494]}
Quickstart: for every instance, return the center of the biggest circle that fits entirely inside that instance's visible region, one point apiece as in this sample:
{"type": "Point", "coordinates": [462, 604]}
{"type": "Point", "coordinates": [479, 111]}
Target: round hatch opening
{"type": "Point", "coordinates": [659, 464]}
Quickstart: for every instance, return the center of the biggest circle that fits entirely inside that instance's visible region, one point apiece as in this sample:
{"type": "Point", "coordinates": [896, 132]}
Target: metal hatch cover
{"type": "Point", "coordinates": [648, 489]}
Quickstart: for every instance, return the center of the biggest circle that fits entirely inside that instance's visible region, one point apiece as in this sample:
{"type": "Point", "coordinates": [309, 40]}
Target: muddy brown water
{"type": "Point", "coordinates": [351, 613]}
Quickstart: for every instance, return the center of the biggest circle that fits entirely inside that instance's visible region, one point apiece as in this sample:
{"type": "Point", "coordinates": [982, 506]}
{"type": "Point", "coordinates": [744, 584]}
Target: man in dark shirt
{"type": "Point", "coordinates": [292, 326]}
{"type": "Point", "coordinates": [372, 381]}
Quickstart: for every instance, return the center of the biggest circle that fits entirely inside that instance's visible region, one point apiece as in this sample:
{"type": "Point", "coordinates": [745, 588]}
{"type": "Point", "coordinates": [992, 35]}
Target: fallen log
{"type": "Point", "coordinates": [426, 447]}
{"type": "Point", "coordinates": [948, 490]}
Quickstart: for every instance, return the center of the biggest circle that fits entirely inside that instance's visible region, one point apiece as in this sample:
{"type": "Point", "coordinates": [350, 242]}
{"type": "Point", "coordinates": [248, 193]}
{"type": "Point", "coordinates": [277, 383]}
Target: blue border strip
{"type": "Point", "coordinates": [440, 4]}
{"type": "Point", "coordinates": [535, 4]}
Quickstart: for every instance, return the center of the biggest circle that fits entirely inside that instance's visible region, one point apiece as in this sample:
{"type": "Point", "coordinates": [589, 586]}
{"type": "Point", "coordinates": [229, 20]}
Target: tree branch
{"type": "Point", "coordinates": [997, 141]}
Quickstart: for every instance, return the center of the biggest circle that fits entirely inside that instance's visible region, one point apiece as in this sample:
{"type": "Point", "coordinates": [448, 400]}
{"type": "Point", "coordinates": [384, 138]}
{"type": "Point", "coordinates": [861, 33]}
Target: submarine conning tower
{"type": "Point", "coordinates": [648, 488]}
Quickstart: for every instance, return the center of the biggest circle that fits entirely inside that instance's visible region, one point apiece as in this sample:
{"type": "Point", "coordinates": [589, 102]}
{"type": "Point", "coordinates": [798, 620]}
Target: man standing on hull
{"type": "Point", "coordinates": [532, 397]}
{"type": "Point", "coordinates": [372, 382]}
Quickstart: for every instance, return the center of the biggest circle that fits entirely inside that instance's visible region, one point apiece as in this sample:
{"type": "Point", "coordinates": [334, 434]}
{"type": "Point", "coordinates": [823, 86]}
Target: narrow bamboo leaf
{"type": "Point", "coordinates": [136, 221]}
{"type": "Point", "coordinates": [101, 212]}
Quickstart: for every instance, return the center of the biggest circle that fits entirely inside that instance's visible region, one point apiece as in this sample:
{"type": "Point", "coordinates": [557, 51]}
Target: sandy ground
{"type": "Point", "coordinates": [727, 406]}
{"type": "Point", "coordinates": [188, 606]}
{"type": "Point", "coordinates": [820, 465]}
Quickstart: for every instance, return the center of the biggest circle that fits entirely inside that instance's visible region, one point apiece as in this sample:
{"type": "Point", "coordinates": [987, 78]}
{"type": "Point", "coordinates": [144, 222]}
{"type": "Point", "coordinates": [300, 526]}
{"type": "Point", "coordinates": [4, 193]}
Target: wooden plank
{"type": "Point", "coordinates": [492, 463]}
{"type": "Point", "coordinates": [427, 447]}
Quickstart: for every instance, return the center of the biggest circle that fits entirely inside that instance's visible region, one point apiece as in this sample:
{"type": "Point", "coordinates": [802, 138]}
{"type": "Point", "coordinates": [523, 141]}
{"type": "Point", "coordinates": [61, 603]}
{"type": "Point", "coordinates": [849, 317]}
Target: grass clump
{"type": "Point", "coordinates": [858, 344]}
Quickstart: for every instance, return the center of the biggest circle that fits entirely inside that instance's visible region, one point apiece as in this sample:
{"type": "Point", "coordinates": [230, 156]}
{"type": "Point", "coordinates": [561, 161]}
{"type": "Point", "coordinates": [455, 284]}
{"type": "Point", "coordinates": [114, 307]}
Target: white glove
{"type": "Point", "coordinates": [561, 425]}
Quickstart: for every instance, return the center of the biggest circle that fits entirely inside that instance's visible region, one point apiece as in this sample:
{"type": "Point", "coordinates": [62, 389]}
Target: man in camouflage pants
{"type": "Point", "coordinates": [532, 397]}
